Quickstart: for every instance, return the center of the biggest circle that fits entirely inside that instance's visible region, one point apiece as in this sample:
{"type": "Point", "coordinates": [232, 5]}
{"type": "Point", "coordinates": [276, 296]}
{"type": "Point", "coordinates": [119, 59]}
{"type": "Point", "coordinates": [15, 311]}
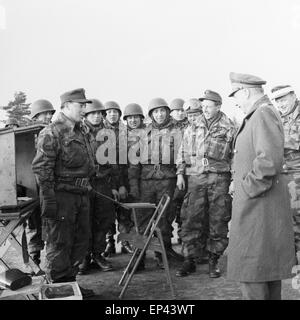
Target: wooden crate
{"type": "Point", "coordinates": [17, 150]}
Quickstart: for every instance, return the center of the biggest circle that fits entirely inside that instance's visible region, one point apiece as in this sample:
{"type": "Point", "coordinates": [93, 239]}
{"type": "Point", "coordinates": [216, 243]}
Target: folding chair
{"type": "Point", "coordinates": [11, 224]}
{"type": "Point", "coordinates": [150, 240]}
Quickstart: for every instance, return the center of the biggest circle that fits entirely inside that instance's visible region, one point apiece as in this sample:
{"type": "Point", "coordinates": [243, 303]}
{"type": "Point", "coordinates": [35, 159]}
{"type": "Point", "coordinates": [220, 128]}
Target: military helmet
{"type": "Point", "coordinates": [96, 105]}
{"type": "Point", "coordinates": [157, 103]}
{"type": "Point", "coordinates": [11, 122]}
{"type": "Point", "coordinates": [133, 109]}
{"type": "Point", "coordinates": [40, 106]}
{"type": "Point", "coordinates": [112, 105]}
{"type": "Point", "coordinates": [176, 104]}
{"type": "Point", "coordinates": [192, 106]}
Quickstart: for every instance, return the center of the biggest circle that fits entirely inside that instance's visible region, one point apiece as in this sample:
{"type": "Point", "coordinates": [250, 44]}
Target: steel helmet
{"type": "Point", "coordinates": [192, 106]}
{"type": "Point", "coordinates": [176, 104]}
{"type": "Point", "coordinates": [40, 106]}
{"type": "Point", "coordinates": [11, 122]}
{"type": "Point", "coordinates": [112, 105]}
{"type": "Point", "coordinates": [96, 105]}
{"type": "Point", "coordinates": [157, 103]}
{"type": "Point", "coordinates": [133, 109]}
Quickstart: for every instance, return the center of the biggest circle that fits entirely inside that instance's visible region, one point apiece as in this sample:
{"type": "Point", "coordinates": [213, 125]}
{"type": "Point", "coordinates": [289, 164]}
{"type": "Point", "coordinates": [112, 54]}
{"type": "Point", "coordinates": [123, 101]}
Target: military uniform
{"type": "Point", "coordinates": [205, 158]}
{"type": "Point", "coordinates": [122, 215]}
{"type": "Point", "coordinates": [34, 224]}
{"type": "Point", "coordinates": [154, 177]}
{"type": "Point", "coordinates": [63, 164]}
{"type": "Point", "coordinates": [101, 209]}
{"type": "Point", "coordinates": [291, 167]}
{"type": "Point", "coordinates": [260, 251]}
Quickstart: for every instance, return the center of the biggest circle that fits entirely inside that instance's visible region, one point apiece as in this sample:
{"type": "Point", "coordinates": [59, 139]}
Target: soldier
{"type": "Point", "coordinates": [289, 108]}
{"type": "Point", "coordinates": [11, 123]}
{"type": "Point", "coordinates": [261, 245]}
{"type": "Point", "coordinates": [205, 158]}
{"type": "Point", "coordinates": [153, 177]}
{"type": "Point", "coordinates": [63, 164]}
{"type": "Point", "coordinates": [178, 113]}
{"type": "Point", "coordinates": [112, 121]}
{"type": "Point", "coordinates": [41, 113]}
{"type": "Point", "coordinates": [101, 209]}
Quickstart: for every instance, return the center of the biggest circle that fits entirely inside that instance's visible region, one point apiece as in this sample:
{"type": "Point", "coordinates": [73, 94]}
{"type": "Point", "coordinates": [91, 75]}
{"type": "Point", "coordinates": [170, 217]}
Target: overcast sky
{"type": "Point", "coordinates": [135, 50]}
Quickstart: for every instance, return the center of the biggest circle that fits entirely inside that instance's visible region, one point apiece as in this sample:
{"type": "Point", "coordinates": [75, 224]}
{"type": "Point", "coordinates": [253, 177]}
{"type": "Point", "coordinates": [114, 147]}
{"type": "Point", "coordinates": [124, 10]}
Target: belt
{"type": "Point", "coordinates": [78, 182]}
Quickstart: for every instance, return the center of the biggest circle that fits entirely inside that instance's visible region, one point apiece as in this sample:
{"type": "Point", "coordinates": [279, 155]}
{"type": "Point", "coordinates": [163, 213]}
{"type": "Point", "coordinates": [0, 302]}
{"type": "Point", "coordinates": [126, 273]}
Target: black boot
{"type": "Point", "coordinates": [187, 267]}
{"type": "Point", "coordinates": [214, 271]}
{"type": "Point", "coordinates": [102, 263]}
{"type": "Point", "coordinates": [85, 265]}
{"type": "Point", "coordinates": [110, 247]}
{"type": "Point", "coordinates": [126, 247]}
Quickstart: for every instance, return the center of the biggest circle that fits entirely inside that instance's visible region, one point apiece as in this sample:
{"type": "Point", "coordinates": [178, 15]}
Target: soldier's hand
{"type": "Point", "coordinates": [180, 182]}
{"type": "Point", "coordinates": [115, 194]}
{"type": "Point", "coordinates": [123, 193]}
{"type": "Point", "coordinates": [49, 205]}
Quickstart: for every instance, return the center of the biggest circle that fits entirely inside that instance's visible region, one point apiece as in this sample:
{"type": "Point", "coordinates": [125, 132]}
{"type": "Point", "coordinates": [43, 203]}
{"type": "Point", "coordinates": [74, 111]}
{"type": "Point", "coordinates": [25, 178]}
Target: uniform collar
{"type": "Point", "coordinates": [260, 101]}
{"type": "Point", "coordinates": [67, 121]}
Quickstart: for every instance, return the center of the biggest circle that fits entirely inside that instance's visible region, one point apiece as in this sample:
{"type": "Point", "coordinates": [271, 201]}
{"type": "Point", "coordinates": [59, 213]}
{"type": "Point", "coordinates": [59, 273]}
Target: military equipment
{"type": "Point", "coordinates": [40, 106]}
{"type": "Point", "coordinates": [133, 109]}
{"type": "Point", "coordinates": [157, 103]}
{"type": "Point", "coordinates": [176, 104]}
{"type": "Point", "coordinates": [96, 105]}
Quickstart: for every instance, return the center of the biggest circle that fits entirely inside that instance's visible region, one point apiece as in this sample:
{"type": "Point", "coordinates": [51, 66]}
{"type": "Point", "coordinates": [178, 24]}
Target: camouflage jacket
{"type": "Point", "coordinates": [206, 148]}
{"type": "Point", "coordinates": [107, 170]}
{"type": "Point", "coordinates": [63, 151]}
{"type": "Point", "coordinates": [157, 152]}
{"type": "Point", "coordinates": [182, 124]}
{"type": "Point", "coordinates": [291, 126]}
{"type": "Point", "coordinates": [119, 145]}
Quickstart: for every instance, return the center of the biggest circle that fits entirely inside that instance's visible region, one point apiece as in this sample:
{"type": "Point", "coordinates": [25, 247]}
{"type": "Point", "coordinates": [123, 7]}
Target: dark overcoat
{"type": "Point", "coordinates": [261, 241]}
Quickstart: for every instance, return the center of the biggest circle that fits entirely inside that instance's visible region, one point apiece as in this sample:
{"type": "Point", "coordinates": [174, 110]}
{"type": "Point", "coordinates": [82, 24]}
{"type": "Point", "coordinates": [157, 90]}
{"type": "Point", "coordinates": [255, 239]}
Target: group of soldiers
{"type": "Point", "coordinates": [77, 219]}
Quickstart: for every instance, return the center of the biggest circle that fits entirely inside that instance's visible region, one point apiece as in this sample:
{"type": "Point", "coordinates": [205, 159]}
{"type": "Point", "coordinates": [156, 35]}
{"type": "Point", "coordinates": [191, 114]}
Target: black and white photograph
{"type": "Point", "coordinates": [149, 152]}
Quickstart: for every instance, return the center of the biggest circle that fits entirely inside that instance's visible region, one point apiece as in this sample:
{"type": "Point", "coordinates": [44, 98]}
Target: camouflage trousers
{"type": "Point", "coordinates": [34, 232]}
{"type": "Point", "coordinates": [205, 214]}
{"type": "Point", "coordinates": [66, 235]}
{"type": "Point", "coordinates": [102, 215]}
{"type": "Point", "coordinates": [151, 191]}
{"type": "Point", "coordinates": [294, 191]}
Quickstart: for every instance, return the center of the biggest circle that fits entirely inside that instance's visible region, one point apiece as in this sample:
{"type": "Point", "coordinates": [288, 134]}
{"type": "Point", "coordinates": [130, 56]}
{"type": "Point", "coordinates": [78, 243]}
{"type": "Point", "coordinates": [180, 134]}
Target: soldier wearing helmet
{"type": "Point", "coordinates": [113, 122]}
{"type": "Point", "coordinates": [204, 160]}
{"type": "Point", "coordinates": [152, 176]}
{"type": "Point", "coordinates": [42, 111]}
{"type": "Point", "coordinates": [193, 109]}
{"type": "Point", "coordinates": [11, 123]}
{"type": "Point", "coordinates": [101, 209]}
{"type": "Point", "coordinates": [178, 113]}
{"type": "Point", "coordinates": [133, 115]}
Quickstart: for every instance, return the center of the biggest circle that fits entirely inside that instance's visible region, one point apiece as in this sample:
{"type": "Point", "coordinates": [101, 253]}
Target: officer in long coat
{"type": "Point", "coordinates": [261, 245]}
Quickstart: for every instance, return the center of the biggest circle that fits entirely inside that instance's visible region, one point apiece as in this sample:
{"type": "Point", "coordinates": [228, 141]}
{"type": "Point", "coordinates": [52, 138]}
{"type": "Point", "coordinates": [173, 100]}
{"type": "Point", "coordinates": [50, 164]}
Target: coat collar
{"type": "Point", "coordinates": [259, 102]}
